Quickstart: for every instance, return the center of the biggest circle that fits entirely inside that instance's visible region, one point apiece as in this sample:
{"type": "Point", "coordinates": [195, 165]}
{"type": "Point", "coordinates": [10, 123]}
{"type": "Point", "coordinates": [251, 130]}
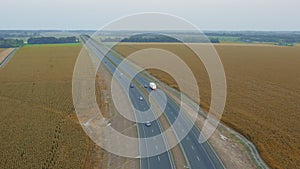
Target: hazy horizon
{"type": "Point", "coordinates": [215, 15]}
{"type": "Point", "coordinates": [212, 30]}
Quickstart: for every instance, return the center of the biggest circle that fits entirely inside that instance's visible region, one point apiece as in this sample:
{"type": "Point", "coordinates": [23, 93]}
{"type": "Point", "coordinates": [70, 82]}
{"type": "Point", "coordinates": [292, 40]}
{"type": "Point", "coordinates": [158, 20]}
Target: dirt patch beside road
{"type": "Point", "coordinates": [117, 121]}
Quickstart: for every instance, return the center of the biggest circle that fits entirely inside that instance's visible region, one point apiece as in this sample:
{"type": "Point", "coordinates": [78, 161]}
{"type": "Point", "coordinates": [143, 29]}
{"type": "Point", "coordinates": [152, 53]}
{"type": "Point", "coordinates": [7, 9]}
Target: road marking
{"type": "Point", "coordinates": [193, 147]}
{"type": "Point", "coordinates": [198, 158]}
{"type": "Point", "coordinates": [156, 147]}
{"type": "Point", "coordinates": [152, 130]}
{"type": "Point", "coordinates": [158, 158]}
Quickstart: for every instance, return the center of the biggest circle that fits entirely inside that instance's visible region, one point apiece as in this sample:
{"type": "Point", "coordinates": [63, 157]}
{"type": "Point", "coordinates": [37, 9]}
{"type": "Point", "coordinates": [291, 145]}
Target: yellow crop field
{"type": "Point", "coordinates": [39, 128]}
{"type": "Point", "coordinates": [263, 94]}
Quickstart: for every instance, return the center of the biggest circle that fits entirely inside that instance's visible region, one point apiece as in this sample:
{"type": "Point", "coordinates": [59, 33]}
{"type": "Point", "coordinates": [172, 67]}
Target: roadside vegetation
{"type": "Point", "coordinates": [39, 128]}
{"type": "Point", "coordinates": [263, 94]}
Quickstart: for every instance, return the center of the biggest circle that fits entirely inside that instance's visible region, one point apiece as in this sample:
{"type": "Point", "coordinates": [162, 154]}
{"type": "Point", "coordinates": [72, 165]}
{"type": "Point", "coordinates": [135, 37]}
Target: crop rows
{"type": "Point", "coordinates": [263, 94]}
{"type": "Point", "coordinates": [35, 108]}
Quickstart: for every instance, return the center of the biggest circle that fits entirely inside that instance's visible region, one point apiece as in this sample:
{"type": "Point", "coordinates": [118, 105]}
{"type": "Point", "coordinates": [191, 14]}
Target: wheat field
{"type": "Point", "coordinates": [263, 100]}
{"type": "Point", "coordinates": [38, 128]}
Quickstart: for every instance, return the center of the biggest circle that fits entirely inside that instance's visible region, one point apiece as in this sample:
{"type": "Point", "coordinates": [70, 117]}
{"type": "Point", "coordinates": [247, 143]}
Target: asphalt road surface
{"type": "Point", "coordinates": [197, 155]}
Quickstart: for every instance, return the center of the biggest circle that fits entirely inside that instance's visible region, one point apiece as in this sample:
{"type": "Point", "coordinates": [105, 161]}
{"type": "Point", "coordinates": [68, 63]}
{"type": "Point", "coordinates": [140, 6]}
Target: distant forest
{"type": "Point", "coordinates": [278, 38]}
{"type": "Point", "coordinates": [149, 38]}
{"type": "Point", "coordinates": [52, 40]}
{"type": "Point", "coordinates": [10, 43]}
{"type": "Point", "coordinates": [153, 37]}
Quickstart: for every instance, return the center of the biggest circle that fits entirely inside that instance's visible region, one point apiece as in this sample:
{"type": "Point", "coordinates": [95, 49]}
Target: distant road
{"type": "Point", "coordinates": [197, 155]}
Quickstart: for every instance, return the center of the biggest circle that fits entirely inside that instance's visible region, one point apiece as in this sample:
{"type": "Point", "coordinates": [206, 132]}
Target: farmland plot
{"type": "Point", "coordinates": [38, 128]}
{"type": "Point", "coordinates": [263, 94]}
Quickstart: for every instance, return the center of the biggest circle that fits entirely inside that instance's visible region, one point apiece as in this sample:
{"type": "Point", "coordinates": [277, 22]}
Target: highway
{"type": "Point", "coordinates": [197, 155]}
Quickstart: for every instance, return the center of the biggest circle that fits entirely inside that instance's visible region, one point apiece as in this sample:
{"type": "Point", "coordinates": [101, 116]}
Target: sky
{"type": "Point", "coordinates": [205, 14]}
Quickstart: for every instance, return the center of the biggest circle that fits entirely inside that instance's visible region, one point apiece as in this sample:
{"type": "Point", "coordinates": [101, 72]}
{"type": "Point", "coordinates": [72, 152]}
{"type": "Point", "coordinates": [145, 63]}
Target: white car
{"type": "Point", "coordinates": [148, 124]}
{"type": "Point", "coordinates": [141, 98]}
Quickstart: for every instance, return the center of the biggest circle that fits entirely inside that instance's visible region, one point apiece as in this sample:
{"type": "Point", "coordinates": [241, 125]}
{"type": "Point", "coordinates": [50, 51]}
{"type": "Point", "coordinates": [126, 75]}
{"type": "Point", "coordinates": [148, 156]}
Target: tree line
{"type": "Point", "coordinates": [150, 37]}
{"type": "Point", "coordinates": [52, 40]}
{"type": "Point", "coordinates": [10, 43]}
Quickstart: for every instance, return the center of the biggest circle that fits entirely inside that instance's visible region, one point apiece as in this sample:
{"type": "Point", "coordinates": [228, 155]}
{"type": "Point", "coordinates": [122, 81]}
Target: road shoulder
{"type": "Point", "coordinates": [5, 54]}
